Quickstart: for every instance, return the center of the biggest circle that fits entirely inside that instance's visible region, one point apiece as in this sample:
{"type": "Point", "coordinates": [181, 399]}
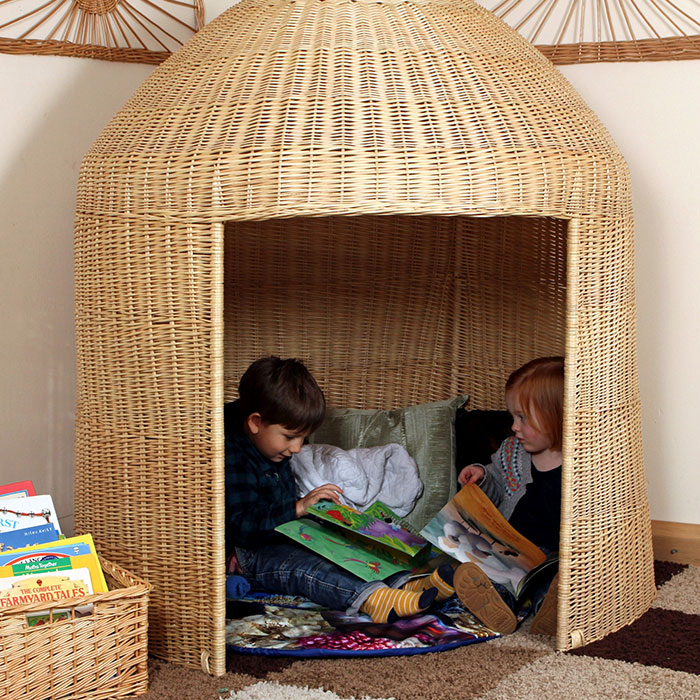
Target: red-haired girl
{"type": "Point", "coordinates": [523, 480]}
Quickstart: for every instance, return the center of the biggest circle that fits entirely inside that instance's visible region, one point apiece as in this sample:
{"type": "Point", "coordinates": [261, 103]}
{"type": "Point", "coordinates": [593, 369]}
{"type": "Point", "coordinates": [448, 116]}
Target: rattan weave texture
{"type": "Point", "coordinates": [405, 194]}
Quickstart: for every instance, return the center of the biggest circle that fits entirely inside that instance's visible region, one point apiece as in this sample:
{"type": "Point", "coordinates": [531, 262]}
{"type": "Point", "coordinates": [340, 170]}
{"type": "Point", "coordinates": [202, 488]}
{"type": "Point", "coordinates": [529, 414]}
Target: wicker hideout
{"type": "Point", "coordinates": [406, 195]}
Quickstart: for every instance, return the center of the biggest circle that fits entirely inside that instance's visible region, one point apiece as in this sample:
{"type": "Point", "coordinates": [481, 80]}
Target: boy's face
{"type": "Point", "coordinates": [274, 441]}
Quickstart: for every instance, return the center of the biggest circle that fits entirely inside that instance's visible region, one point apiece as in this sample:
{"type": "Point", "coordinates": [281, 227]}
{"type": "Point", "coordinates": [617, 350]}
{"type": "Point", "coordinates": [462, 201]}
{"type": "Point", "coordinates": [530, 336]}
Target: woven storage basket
{"type": "Point", "coordinates": [101, 655]}
{"type": "Point", "coordinates": [406, 195]}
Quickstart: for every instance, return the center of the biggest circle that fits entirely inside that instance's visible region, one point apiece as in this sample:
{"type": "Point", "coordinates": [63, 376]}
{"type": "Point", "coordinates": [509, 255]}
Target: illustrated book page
{"type": "Point", "coordinates": [18, 513]}
{"type": "Point", "coordinates": [471, 529]}
{"type": "Point", "coordinates": [369, 547]}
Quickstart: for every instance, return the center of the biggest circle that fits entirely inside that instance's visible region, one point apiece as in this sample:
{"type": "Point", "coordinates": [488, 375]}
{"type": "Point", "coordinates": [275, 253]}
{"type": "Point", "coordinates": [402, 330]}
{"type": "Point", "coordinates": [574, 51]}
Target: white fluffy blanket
{"type": "Point", "coordinates": [366, 474]}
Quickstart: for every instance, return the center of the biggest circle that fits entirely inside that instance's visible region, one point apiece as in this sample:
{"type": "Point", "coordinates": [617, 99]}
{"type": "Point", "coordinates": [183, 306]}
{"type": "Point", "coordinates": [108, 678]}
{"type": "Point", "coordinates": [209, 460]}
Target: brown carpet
{"type": "Point", "coordinates": [655, 658]}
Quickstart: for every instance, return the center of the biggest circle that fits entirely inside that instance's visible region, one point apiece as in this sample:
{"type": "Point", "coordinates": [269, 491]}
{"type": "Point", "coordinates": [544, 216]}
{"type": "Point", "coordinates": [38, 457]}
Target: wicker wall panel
{"type": "Point", "coordinates": [149, 436]}
{"type": "Point", "coordinates": [437, 296]}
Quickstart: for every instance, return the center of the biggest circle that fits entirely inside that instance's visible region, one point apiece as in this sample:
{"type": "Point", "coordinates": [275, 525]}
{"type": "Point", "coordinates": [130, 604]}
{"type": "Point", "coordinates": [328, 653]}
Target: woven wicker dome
{"type": "Point", "coordinates": [281, 184]}
{"type": "Point", "coordinates": [280, 108]}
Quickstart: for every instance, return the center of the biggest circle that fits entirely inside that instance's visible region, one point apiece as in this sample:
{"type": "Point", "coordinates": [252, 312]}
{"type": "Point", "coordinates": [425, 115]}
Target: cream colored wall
{"type": "Point", "coordinates": [55, 107]}
{"type": "Point", "coordinates": [52, 109]}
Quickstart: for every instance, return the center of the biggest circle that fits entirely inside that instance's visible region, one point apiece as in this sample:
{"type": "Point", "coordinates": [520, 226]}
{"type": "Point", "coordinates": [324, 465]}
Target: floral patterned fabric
{"type": "Point", "coordinates": [291, 626]}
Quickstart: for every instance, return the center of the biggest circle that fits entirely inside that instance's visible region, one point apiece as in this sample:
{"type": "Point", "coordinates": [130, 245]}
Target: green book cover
{"type": "Point", "coordinates": [370, 544]}
{"type": "Point", "coordinates": [358, 557]}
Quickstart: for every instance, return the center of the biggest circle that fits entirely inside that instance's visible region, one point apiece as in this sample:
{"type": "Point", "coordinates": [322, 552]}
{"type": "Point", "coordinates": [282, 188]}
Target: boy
{"type": "Point", "coordinates": [280, 404]}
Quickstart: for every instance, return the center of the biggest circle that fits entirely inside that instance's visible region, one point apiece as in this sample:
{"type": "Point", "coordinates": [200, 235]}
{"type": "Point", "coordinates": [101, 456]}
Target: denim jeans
{"type": "Point", "coordinates": [295, 570]}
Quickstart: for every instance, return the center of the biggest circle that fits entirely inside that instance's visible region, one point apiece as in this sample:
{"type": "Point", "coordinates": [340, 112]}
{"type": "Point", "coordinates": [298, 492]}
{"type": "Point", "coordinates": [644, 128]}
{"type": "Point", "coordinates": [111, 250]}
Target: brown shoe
{"type": "Point", "coordinates": [475, 590]}
{"type": "Point", "coordinates": [545, 621]}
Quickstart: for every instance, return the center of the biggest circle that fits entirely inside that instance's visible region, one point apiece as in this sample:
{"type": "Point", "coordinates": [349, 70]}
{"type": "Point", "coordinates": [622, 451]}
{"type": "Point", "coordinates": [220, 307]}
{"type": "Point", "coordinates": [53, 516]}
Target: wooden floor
{"type": "Point", "coordinates": [677, 542]}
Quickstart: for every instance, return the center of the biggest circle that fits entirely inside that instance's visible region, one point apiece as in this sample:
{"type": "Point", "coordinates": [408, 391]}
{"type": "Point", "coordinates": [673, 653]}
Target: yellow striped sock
{"type": "Point", "coordinates": [387, 604]}
{"type": "Point", "coordinates": [441, 579]}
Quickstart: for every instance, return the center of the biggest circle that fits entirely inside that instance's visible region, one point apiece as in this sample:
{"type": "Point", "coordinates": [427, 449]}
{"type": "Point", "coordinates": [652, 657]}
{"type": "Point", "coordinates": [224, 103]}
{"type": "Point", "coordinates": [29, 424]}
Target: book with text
{"type": "Point", "coordinates": [27, 537]}
{"type": "Point", "coordinates": [18, 513]}
{"type": "Point", "coordinates": [71, 553]}
{"type": "Point", "coordinates": [370, 544]}
{"type": "Point", "coordinates": [60, 586]}
{"type": "Point", "coordinates": [471, 529]}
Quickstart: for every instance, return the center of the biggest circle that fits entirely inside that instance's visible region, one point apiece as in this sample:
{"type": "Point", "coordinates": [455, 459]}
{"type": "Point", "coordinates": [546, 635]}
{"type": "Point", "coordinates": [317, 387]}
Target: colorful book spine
{"type": "Point", "coordinates": [70, 553]}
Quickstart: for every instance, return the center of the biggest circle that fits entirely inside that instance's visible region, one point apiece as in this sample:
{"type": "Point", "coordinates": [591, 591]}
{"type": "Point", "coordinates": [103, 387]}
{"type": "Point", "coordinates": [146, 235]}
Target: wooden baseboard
{"type": "Point", "coordinates": [678, 542]}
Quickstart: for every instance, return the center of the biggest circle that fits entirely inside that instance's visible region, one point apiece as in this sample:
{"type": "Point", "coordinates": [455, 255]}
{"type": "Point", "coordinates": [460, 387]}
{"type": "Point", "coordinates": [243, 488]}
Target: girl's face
{"type": "Point", "coordinates": [532, 440]}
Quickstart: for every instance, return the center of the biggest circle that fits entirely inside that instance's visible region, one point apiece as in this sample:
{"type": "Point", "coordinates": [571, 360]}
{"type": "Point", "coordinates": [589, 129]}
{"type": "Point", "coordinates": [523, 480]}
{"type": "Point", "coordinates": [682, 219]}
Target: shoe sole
{"type": "Point", "coordinates": [475, 590]}
{"type": "Point", "coordinates": [545, 621]}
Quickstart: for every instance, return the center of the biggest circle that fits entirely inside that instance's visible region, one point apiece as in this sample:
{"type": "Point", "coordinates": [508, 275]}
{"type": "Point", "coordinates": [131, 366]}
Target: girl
{"type": "Point", "coordinates": [524, 481]}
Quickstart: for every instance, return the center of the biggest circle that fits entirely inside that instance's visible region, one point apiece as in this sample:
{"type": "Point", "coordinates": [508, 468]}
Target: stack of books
{"type": "Point", "coordinates": [37, 562]}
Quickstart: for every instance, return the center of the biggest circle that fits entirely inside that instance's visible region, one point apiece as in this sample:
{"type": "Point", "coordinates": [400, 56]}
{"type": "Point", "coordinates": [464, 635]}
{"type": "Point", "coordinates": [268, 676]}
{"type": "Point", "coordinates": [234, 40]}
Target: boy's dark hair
{"type": "Point", "coordinates": [282, 392]}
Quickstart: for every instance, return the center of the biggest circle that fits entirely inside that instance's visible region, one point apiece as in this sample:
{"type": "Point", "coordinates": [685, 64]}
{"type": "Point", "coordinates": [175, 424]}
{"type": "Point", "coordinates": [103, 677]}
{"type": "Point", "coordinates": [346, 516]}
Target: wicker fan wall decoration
{"type": "Point", "coordinates": [136, 31]}
{"type": "Point", "coordinates": [588, 31]}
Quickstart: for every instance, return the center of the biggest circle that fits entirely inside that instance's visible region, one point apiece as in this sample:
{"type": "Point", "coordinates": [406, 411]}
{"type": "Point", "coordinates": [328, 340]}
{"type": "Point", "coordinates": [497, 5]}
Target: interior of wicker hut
{"type": "Point", "coordinates": [389, 311]}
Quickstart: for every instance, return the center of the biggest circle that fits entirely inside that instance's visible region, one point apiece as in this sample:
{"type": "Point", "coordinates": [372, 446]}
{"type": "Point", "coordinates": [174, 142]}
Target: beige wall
{"type": "Point", "coordinates": [55, 107]}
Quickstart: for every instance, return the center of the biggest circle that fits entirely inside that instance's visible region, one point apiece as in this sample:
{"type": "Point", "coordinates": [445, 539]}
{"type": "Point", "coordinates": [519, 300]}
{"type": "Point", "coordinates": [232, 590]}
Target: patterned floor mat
{"type": "Point", "coordinates": [288, 626]}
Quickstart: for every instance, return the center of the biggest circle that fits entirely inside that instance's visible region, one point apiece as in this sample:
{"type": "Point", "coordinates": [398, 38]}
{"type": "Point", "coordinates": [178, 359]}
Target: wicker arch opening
{"type": "Point", "coordinates": [402, 192]}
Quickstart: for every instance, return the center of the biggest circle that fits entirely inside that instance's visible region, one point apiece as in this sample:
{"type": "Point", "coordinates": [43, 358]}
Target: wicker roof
{"type": "Point", "coordinates": [353, 106]}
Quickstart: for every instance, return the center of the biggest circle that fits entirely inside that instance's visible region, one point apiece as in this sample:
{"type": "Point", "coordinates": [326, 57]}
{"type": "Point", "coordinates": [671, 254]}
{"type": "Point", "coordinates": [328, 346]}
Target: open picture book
{"type": "Point", "coordinates": [471, 529]}
{"type": "Point", "coordinates": [371, 544]}
{"type": "Point", "coordinates": [376, 543]}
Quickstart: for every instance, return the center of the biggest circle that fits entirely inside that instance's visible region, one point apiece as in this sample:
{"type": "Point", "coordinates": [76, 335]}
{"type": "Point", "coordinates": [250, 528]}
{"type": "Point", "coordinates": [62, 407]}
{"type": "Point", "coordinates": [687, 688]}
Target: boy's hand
{"type": "Point", "coordinates": [330, 492]}
{"type": "Point", "coordinates": [471, 474]}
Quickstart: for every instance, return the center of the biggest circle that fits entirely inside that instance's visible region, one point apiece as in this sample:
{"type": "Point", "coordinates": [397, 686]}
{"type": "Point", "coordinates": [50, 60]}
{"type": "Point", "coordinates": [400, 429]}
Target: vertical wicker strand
{"type": "Point", "coordinates": [565, 636]}
{"type": "Point", "coordinates": [217, 663]}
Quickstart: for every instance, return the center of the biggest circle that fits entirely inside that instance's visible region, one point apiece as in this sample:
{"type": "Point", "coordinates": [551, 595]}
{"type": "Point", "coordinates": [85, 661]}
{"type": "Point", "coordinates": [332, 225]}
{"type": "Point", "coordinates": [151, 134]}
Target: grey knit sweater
{"type": "Point", "coordinates": [507, 476]}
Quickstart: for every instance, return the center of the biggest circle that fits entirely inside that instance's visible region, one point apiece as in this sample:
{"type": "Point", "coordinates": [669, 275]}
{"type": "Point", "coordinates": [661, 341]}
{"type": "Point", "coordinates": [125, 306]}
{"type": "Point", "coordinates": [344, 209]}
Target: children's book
{"type": "Point", "coordinates": [471, 529]}
{"type": "Point", "coordinates": [371, 544]}
{"type": "Point", "coordinates": [71, 553]}
{"type": "Point", "coordinates": [19, 489]}
{"type": "Point", "coordinates": [18, 513]}
{"type": "Point", "coordinates": [56, 586]}
{"type": "Point", "coordinates": [27, 537]}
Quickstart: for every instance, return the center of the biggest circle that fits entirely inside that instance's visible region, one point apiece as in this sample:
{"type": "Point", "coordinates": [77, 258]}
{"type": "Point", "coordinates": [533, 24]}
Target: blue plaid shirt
{"type": "Point", "coordinates": [260, 494]}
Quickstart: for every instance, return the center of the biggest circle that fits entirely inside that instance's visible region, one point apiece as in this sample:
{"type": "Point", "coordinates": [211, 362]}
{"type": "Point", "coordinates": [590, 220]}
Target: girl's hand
{"type": "Point", "coordinates": [330, 492]}
{"type": "Point", "coordinates": [471, 474]}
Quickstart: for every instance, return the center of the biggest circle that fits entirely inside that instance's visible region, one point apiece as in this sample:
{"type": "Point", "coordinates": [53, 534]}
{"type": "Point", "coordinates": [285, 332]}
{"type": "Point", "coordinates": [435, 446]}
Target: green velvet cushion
{"type": "Point", "coordinates": [426, 431]}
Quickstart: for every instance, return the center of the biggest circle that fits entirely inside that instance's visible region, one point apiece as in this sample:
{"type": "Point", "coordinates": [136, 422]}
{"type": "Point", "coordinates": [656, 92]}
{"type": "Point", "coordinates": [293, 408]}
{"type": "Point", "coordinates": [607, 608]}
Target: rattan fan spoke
{"type": "Point", "coordinates": [31, 13]}
{"type": "Point", "coordinates": [145, 31]}
{"type": "Point", "coordinates": [579, 31]}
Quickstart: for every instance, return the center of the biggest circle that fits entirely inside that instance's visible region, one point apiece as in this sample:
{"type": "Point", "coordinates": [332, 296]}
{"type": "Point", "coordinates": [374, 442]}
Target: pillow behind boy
{"type": "Point", "coordinates": [426, 431]}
